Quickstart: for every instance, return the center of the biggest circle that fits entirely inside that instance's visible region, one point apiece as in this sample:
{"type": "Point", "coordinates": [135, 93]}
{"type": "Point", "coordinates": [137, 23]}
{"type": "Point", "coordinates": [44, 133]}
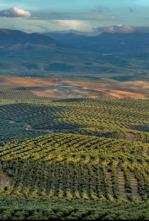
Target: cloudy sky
{"type": "Point", "coordinates": [79, 15]}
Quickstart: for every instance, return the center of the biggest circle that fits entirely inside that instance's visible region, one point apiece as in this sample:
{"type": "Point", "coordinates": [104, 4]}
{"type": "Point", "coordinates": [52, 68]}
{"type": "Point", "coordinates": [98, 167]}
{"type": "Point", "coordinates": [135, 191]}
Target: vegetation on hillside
{"type": "Point", "coordinates": [121, 119]}
{"type": "Point", "coordinates": [73, 158]}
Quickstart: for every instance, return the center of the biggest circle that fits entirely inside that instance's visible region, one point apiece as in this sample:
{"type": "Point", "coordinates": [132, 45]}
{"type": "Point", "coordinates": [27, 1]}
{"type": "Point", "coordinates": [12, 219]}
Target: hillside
{"type": "Point", "coordinates": [76, 167]}
{"type": "Point", "coordinates": [75, 158]}
{"type": "Point", "coordinates": [94, 149]}
{"type": "Point", "coordinates": [15, 40]}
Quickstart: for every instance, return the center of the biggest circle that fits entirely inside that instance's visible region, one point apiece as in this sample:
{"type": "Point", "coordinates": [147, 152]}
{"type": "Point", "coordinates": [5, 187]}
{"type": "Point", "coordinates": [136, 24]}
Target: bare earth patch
{"type": "Point", "coordinates": [131, 136]}
{"type": "Point", "coordinates": [50, 87]}
{"type": "Point", "coordinates": [121, 183]}
{"type": "Point", "coordinates": [134, 185]}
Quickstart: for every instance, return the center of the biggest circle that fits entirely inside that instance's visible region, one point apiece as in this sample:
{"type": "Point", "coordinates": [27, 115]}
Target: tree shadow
{"type": "Point", "coordinates": [143, 128]}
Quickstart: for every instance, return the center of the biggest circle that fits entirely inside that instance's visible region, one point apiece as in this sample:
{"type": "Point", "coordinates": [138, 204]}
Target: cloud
{"type": "Point", "coordinates": [122, 29]}
{"type": "Point", "coordinates": [72, 24]}
{"type": "Point", "coordinates": [116, 28]}
{"type": "Point", "coordinates": [15, 13]}
{"type": "Point", "coordinates": [31, 25]}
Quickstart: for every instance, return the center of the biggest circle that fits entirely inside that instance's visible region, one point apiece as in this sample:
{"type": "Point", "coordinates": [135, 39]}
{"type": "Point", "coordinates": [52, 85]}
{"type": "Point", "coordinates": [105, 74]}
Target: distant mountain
{"type": "Point", "coordinates": [13, 39]}
{"type": "Point", "coordinates": [106, 42]}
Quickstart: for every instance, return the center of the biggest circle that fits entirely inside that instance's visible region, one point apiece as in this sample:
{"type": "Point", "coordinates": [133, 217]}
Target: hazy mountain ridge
{"type": "Point", "coordinates": [130, 43]}
{"type": "Point", "coordinates": [106, 42]}
{"type": "Point", "coordinates": [17, 39]}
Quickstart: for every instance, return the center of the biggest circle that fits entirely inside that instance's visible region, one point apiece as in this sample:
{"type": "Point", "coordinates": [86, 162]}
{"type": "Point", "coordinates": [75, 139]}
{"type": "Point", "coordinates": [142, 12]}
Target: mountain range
{"type": "Point", "coordinates": [106, 42]}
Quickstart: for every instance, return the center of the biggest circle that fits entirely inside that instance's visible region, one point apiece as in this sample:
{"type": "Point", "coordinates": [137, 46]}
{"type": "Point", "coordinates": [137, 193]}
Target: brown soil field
{"type": "Point", "coordinates": [28, 82]}
{"type": "Point", "coordinates": [50, 87]}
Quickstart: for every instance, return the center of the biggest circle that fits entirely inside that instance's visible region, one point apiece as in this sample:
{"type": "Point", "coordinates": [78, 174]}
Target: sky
{"type": "Point", "coordinates": [88, 16]}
